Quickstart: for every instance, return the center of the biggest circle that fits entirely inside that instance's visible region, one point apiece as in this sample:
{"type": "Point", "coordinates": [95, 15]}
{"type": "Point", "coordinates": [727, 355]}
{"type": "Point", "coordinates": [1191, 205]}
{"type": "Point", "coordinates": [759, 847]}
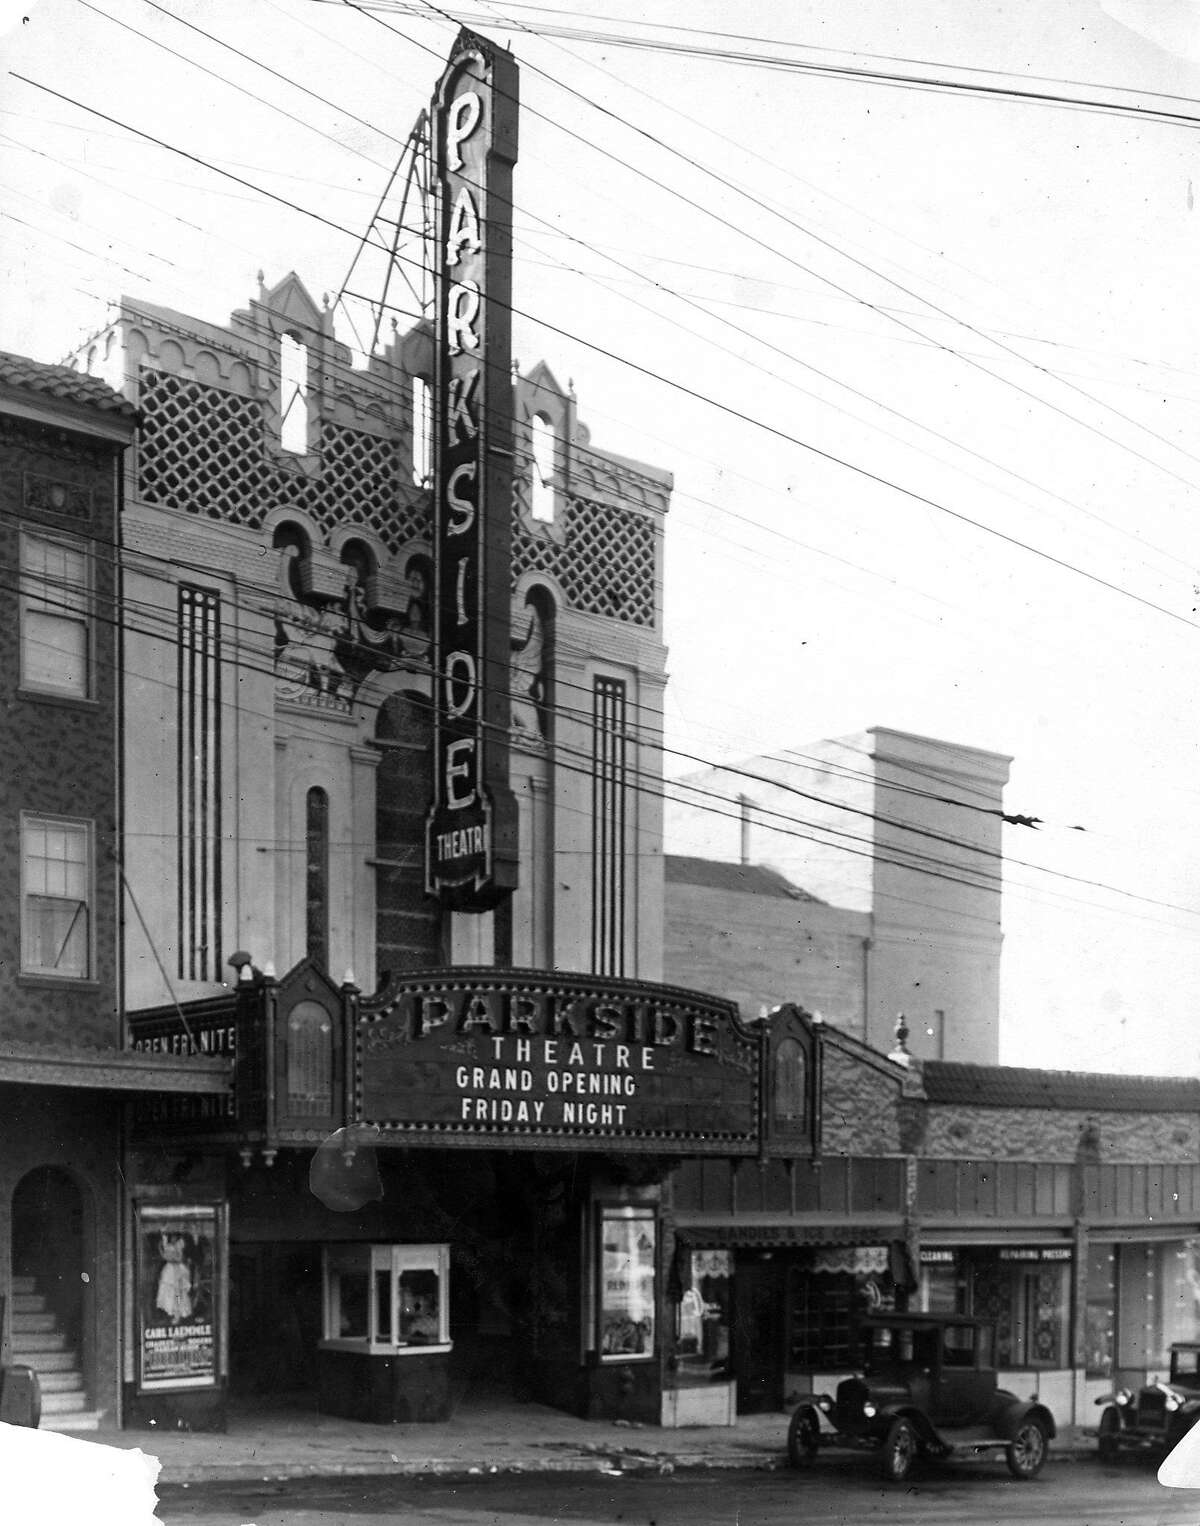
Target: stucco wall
{"type": "Point", "coordinates": [986, 1133]}
{"type": "Point", "coordinates": [861, 1108]}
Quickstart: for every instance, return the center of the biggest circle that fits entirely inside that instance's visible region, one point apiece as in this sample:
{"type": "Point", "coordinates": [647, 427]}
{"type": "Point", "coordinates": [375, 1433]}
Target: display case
{"type": "Point", "coordinates": [385, 1347]}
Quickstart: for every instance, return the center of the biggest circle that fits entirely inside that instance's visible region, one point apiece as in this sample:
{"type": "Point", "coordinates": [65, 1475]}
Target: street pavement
{"type": "Point", "coordinates": [480, 1439]}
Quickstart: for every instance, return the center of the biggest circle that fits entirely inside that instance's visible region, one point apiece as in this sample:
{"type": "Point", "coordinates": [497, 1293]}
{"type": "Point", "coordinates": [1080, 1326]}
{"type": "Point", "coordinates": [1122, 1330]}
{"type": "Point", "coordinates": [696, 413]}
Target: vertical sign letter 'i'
{"type": "Point", "coordinates": [470, 829]}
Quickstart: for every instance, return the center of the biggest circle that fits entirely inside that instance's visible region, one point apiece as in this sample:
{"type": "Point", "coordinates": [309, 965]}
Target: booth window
{"type": "Point", "coordinates": [387, 1300]}
{"type": "Point", "coordinates": [55, 617]}
{"type": "Point", "coordinates": [628, 1282]}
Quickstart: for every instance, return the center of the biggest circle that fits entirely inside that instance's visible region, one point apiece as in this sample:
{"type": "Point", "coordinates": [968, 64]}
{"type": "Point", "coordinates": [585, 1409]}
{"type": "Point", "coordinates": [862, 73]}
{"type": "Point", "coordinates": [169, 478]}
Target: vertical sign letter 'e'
{"type": "Point", "coordinates": [471, 826]}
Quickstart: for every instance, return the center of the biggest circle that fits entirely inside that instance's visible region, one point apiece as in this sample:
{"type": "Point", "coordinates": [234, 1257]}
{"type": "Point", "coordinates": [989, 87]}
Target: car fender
{"type": "Point", "coordinates": [1011, 1413]}
{"type": "Point", "coordinates": [916, 1417]}
{"type": "Point", "coordinates": [824, 1424]}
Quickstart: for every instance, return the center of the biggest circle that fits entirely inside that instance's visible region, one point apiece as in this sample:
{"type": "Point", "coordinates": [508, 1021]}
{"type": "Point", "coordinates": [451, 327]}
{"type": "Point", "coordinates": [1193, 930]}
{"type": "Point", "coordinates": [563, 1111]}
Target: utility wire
{"type": "Point", "coordinates": [248, 657]}
{"type": "Point", "coordinates": [884, 313]}
{"type": "Point", "coordinates": [716, 317]}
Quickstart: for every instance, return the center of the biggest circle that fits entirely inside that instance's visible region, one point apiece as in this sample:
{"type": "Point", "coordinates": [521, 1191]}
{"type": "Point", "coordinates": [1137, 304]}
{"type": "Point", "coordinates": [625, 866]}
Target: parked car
{"type": "Point", "coordinates": [928, 1389]}
{"type": "Point", "coordinates": [1159, 1414]}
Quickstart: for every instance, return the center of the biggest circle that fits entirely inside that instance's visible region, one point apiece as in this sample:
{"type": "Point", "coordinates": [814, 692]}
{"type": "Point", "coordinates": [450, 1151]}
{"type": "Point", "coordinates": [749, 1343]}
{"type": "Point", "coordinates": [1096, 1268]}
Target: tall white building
{"type": "Point", "coordinates": [901, 834]}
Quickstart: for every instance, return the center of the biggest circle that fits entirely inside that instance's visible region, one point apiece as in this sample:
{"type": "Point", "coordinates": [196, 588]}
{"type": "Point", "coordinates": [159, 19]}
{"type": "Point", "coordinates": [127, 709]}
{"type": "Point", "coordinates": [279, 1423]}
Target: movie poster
{"type": "Point", "coordinates": [180, 1261]}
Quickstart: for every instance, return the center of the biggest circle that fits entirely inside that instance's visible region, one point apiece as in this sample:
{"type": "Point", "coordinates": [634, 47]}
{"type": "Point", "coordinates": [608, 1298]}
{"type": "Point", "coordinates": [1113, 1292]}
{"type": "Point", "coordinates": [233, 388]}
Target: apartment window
{"type": "Point", "coordinates": [293, 394]}
{"type": "Point", "coordinates": [199, 784]}
{"type": "Point", "coordinates": [610, 827]}
{"type": "Point", "coordinates": [55, 616]}
{"type": "Point", "coordinates": [541, 490]}
{"type": "Point", "coordinates": [56, 893]}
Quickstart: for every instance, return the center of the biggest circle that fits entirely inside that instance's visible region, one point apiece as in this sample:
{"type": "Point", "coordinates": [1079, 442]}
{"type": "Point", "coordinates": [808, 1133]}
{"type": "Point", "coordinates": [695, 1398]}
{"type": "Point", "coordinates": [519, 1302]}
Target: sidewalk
{"type": "Point", "coordinates": [505, 1437]}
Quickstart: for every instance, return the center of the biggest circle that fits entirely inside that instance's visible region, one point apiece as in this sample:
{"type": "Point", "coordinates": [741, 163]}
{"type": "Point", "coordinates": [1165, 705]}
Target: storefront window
{"type": "Point", "coordinates": [387, 1298]}
{"type": "Point", "coordinates": [1099, 1319]}
{"type": "Point", "coordinates": [702, 1336]}
{"type": "Point", "coordinates": [628, 1283]}
{"type": "Point", "coordinates": [941, 1287]}
{"type": "Point", "coordinates": [1025, 1292]}
{"type": "Point", "coordinates": [822, 1321]}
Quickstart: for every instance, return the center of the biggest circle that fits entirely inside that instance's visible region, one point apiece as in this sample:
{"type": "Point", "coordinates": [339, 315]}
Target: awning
{"type": "Point", "coordinates": [114, 1070]}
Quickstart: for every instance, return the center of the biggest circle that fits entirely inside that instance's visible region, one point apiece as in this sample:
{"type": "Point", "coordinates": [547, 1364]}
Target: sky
{"type": "Point", "coordinates": [903, 296]}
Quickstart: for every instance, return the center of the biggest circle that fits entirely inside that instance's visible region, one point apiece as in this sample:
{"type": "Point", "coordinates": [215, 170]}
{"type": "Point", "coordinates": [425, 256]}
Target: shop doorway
{"type": "Point", "coordinates": [759, 1285]}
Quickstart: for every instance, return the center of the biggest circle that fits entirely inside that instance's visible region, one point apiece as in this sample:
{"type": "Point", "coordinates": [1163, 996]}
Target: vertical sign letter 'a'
{"type": "Point", "coordinates": [471, 826]}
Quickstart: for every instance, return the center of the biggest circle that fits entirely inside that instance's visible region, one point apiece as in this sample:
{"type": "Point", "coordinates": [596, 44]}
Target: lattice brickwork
{"type": "Point", "coordinates": [605, 567]}
{"type": "Point", "coordinates": [202, 452]}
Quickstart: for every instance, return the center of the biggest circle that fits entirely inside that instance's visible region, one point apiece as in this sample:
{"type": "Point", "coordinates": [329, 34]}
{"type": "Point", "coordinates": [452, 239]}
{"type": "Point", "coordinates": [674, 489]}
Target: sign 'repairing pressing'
{"type": "Point", "coordinates": [470, 851]}
{"type": "Point", "coordinates": [525, 1056]}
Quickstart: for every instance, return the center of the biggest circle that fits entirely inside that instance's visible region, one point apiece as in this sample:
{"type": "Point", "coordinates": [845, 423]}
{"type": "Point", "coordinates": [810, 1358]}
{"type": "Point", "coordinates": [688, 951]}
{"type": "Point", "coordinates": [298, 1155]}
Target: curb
{"type": "Point", "coordinates": [608, 1464]}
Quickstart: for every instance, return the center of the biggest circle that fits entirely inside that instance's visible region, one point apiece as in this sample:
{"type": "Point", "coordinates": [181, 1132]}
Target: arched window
{"type": "Point", "coordinates": [422, 431]}
{"type": "Point", "coordinates": [791, 1085]}
{"type": "Point", "coordinates": [293, 394]}
{"type": "Point", "coordinates": [316, 882]}
{"type": "Point", "coordinates": [309, 1061]}
{"type": "Point", "coordinates": [541, 487]}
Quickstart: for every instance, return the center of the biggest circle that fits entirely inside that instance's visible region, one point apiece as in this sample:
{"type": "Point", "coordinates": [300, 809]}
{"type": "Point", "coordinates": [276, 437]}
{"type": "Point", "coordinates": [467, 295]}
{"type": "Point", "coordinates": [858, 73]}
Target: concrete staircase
{"type": "Point", "coordinates": [38, 1341]}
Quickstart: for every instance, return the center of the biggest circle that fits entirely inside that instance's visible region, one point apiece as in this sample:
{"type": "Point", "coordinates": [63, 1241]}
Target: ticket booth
{"type": "Point", "coordinates": [385, 1349]}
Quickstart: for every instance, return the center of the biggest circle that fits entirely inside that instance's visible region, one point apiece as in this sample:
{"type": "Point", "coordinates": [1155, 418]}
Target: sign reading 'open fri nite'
{"type": "Point", "coordinates": [524, 1055]}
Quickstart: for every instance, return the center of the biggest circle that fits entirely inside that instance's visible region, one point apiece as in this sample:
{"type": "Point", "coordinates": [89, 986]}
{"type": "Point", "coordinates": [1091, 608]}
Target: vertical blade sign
{"type": "Point", "coordinates": [471, 838]}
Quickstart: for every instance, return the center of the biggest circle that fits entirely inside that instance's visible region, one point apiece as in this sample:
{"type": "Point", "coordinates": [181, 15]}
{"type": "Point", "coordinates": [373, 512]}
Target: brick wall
{"type": "Point", "coordinates": [56, 756]}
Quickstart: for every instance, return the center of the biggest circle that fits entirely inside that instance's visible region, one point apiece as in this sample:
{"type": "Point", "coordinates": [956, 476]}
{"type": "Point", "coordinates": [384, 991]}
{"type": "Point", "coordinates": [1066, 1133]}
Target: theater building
{"type": "Point", "coordinates": [393, 677]}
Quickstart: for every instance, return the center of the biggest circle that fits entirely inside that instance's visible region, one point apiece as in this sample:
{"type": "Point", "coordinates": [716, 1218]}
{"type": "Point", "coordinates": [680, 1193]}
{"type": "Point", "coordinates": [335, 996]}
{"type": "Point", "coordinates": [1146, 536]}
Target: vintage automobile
{"type": "Point", "coordinates": [1159, 1415]}
{"type": "Point", "coordinates": [927, 1389]}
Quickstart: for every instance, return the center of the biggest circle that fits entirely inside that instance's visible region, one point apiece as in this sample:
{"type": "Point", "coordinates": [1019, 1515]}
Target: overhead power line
{"type": "Point", "coordinates": [679, 386]}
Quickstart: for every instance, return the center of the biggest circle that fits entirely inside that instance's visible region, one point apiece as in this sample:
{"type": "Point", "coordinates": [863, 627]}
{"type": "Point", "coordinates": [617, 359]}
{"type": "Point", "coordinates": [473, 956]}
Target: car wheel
{"type": "Point", "coordinates": [1027, 1450]}
{"type": "Point", "coordinates": [802, 1440]}
{"type": "Point", "coordinates": [1108, 1437]}
{"type": "Point", "coordinates": [899, 1451]}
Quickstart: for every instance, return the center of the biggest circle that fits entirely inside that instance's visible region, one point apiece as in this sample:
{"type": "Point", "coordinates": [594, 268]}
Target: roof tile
{"type": "Point", "coordinates": [62, 382]}
{"type": "Point", "coordinates": [954, 1082]}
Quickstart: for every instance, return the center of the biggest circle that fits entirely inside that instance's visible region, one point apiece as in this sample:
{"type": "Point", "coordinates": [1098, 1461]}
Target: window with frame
{"type": "Point", "coordinates": [56, 601]}
{"type": "Point", "coordinates": [422, 431]}
{"type": "Point", "coordinates": [293, 394]}
{"type": "Point", "coordinates": [389, 1300]}
{"type": "Point", "coordinates": [541, 479]}
{"type": "Point", "coordinates": [56, 894]}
